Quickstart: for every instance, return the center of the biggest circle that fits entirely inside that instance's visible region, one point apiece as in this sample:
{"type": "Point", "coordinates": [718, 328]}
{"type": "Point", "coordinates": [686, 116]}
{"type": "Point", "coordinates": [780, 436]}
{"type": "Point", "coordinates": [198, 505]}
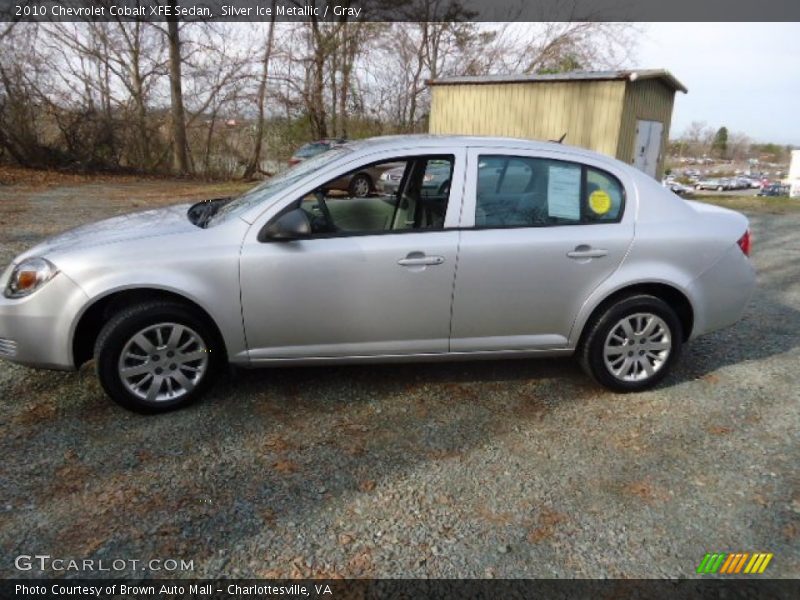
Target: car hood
{"type": "Point", "coordinates": [147, 224]}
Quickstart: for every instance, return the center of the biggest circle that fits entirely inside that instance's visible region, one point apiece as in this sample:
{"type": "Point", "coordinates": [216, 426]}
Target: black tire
{"type": "Point", "coordinates": [124, 325]}
{"type": "Point", "coordinates": [591, 351]}
{"type": "Point", "coordinates": [357, 186]}
{"type": "Point", "coordinates": [720, 188]}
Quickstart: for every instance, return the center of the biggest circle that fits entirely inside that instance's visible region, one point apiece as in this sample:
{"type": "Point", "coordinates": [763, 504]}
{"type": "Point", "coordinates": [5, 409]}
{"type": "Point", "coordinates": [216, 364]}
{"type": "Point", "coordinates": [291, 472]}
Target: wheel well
{"type": "Point", "coordinates": [92, 321]}
{"type": "Point", "coordinates": [675, 298]}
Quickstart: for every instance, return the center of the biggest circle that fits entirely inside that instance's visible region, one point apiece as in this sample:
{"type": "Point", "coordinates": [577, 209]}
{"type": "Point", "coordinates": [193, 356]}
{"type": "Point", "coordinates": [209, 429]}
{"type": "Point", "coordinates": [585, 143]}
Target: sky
{"type": "Point", "coordinates": [745, 76]}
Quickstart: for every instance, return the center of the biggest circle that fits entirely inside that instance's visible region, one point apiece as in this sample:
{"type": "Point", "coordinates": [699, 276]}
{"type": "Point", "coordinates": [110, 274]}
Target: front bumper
{"type": "Point", "coordinates": [36, 331]}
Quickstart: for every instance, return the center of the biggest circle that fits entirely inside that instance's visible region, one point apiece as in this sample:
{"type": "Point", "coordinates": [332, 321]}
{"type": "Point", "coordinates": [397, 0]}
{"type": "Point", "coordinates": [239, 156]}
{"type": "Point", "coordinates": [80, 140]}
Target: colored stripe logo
{"type": "Point", "coordinates": [734, 563]}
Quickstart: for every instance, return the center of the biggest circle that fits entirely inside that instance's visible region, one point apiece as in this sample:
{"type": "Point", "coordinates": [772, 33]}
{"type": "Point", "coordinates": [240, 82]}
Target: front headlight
{"type": "Point", "coordinates": [28, 276]}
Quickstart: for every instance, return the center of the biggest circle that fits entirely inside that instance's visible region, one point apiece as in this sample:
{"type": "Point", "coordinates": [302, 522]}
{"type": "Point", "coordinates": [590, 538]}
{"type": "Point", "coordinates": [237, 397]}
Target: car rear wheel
{"type": "Point", "coordinates": [360, 186]}
{"type": "Point", "coordinates": [633, 344]}
{"type": "Point", "coordinates": [156, 357]}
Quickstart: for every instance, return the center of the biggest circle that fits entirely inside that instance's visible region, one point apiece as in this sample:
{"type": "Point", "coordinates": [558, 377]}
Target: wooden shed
{"type": "Point", "coordinates": [625, 114]}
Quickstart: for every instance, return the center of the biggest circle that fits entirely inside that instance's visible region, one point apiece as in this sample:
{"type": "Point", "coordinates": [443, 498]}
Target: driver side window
{"type": "Point", "coordinates": [406, 194]}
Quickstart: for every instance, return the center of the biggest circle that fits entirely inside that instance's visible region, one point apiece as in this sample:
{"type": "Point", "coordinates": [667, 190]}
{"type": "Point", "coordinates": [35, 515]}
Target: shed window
{"type": "Point", "coordinates": [516, 191]}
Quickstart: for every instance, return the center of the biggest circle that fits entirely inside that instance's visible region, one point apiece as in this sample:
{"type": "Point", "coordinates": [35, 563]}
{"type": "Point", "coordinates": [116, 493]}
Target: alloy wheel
{"type": "Point", "coordinates": [360, 187]}
{"type": "Point", "coordinates": [637, 347]}
{"type": "Point", "coordinates": [163, 362]}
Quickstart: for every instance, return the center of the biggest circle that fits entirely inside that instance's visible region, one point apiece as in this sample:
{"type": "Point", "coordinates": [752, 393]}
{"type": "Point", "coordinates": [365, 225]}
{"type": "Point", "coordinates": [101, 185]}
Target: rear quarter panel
{"type": "Point", "coordinates": [678, 242]}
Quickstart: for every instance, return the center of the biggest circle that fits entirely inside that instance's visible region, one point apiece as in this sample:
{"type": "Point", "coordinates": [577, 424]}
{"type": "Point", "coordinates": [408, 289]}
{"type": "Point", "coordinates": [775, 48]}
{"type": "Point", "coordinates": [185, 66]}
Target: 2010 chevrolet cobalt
{"type": "Point", "coordinates": [484, 248]}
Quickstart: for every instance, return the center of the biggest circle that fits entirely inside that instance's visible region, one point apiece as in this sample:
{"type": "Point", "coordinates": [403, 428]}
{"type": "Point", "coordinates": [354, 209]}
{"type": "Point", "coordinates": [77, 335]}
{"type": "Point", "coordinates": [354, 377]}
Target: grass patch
{"type": "Point", "coordinates": [775, 205]}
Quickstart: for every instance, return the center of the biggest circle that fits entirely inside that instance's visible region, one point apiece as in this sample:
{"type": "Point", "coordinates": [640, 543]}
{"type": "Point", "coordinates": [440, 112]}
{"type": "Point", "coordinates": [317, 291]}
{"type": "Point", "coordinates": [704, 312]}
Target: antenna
{"type": "Point", "coordinates": [559, 140]}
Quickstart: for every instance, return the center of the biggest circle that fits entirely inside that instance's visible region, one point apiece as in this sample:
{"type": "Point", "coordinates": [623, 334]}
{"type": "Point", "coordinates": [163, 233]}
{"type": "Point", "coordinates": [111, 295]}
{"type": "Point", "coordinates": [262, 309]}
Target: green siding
{"type": "Point", "coordinates": [589, 112]}
{"type": "Point", "coordinates": [599, 115]}
{"type": "Point", "coordinates": [648, 100]}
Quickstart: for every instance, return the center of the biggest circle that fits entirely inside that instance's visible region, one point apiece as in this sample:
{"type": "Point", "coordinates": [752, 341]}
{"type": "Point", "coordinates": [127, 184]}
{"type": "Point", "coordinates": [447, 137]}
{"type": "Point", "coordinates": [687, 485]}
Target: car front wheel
{"type": "Point", "coordinates": [633, 344]}
{"type": "Point", "coordinates": [156, 357]}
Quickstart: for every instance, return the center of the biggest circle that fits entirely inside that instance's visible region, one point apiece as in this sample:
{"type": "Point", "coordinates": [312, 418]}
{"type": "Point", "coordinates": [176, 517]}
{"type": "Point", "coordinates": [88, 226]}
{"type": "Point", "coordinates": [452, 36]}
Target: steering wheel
{"type": "Point", "coordinates": [323, 208]}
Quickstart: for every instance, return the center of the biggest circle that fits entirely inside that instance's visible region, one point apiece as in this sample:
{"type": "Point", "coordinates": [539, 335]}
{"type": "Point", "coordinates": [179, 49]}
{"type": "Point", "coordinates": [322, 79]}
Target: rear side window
{"type": "Point", "coordinates": [515, 191]}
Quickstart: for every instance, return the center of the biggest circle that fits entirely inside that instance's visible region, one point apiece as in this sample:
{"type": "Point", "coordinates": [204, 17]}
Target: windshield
{"type": "Point", "coordinates": [275, 185]}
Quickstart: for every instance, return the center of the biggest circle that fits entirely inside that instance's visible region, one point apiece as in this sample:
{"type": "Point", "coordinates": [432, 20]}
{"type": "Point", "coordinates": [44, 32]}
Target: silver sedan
{"type": "Point", "coordinates": [534, 249]}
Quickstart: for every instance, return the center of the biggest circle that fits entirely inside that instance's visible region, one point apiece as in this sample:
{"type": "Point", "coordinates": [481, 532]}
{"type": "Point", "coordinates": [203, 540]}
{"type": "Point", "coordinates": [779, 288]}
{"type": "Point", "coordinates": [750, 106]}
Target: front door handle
{"type": "Point", "coordinates": [417, 259]}
{"type": "Point", "coordinates": [585, 251]}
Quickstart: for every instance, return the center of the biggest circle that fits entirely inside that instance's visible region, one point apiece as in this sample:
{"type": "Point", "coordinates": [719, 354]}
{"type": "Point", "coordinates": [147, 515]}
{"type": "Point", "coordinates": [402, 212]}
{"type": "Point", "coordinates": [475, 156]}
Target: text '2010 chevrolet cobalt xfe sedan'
{"type": "Point", "coordinates": [520, 249]}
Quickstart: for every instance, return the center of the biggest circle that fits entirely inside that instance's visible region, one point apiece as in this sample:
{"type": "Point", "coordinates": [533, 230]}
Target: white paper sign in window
{"type": "Point", "coordinates": [564, 192]}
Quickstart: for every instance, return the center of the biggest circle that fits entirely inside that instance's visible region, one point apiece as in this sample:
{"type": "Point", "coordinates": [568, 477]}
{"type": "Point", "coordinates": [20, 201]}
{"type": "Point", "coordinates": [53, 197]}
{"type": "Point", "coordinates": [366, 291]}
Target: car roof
{"type": "Point", "coordinates": [389, 142]}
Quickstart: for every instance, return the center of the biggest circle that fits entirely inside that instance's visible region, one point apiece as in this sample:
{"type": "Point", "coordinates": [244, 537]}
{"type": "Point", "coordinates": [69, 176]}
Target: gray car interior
{"type": "Point", "coordinates": [409, 208]}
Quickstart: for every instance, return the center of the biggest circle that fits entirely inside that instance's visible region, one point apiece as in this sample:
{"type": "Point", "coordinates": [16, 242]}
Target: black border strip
{"type": "Point", "coordinates": [224, 589]}
{"type": "Point", "coordinates": [403, 10]}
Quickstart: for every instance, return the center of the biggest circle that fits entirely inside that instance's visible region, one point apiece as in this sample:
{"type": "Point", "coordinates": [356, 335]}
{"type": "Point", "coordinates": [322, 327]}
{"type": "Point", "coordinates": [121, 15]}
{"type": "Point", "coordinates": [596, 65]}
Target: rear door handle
{"type": "Point", "coordinates": [584, 251]}
{"type": "Point", "coordinates": [415, 260]}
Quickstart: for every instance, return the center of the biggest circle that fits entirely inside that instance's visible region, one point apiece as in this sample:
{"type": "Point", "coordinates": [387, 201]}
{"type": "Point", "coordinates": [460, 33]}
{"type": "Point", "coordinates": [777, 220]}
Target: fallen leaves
{"type": "Point", "coordinates": [285, 466]}
{"type": "Point", "coordinates": [645, 490]}
{"type": "Point", "coordinates": [496, 518]}
{"type": "Point", "coordinates": [546, 524]}
{"type": "Point", "coordinates": [34, 414]}
{"type": "Point", "coordinates": [360, 565]}
{"type": "Point", "coordinates": [367, 485]}
{"type": "Point", "coordinates": [278, 443]}
{"type": "Point", "coordinates": [719, 430]}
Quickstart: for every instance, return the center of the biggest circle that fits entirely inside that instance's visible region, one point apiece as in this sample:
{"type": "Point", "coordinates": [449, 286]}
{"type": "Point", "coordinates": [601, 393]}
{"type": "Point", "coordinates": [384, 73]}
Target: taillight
{"type": "Point", "coordinates": [745, 243]}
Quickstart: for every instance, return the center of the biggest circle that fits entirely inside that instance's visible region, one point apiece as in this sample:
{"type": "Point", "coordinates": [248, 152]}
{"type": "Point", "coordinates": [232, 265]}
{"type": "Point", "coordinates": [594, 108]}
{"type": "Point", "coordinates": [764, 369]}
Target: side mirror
{"type": "Point", "coordinates": [293, 225]}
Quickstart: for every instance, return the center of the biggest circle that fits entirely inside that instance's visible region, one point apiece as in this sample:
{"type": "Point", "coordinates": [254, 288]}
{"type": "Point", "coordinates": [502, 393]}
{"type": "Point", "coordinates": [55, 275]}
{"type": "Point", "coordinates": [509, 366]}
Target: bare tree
{"type": "Point", "coordinates": [255, 158]}
{"type": "Point", "coordinates": [314, 93]}
{"type": "Point", "coordinates": [217, 97]}
{"type": "Point", "coordinates": [178, 119]}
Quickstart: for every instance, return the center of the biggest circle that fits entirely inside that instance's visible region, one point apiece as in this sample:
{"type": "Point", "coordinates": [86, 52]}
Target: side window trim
{"type": "Point", "coordinates": [457, 158]}
{"type": "Point", "coordinates": [585, 168]}
{"type": "Point", "coordinates": [626, 185]}
{"type": "Point", "coordinates": [261, 214]}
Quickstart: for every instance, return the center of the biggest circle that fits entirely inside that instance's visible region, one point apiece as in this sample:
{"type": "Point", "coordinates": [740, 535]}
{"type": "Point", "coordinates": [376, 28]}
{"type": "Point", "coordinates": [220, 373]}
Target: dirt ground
{"type": "Point", "coordinates": [486, 469]}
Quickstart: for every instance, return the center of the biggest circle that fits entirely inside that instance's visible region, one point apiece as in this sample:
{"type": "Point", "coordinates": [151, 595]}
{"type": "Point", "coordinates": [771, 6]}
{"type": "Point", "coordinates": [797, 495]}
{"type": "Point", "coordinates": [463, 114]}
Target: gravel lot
{"type": "Point", "coordinates": [483, 469]}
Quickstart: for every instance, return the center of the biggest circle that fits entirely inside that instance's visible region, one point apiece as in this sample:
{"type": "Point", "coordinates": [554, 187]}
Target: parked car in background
{"type": "Point", "coordinates": [437, 179]}
{"type": "Point", "coordinates": [748, 182]}
{"type": "Point", "coordinates": [359, 185]}
{"type": "Point", "coordinates": [680, 189]}
{"type": "Point", "coordinates": [774, 189]}
{"type": "Point", "coordinates": [363, 182]}
{"type": "Point", "coordinates": [731, 183]}
{"type": "Point", "coordinates": [313, 149]}
{"type": "Point", "coordinates": [710, 184]}
{"type": "Point", "coordinates": [560, 251]}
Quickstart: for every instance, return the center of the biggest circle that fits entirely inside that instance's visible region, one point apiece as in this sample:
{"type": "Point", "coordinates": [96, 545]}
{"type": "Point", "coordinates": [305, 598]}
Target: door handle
{"type": "Point", "coordinates": [414, 260]}
{"type": "Point", "coordinates": [584, 251]}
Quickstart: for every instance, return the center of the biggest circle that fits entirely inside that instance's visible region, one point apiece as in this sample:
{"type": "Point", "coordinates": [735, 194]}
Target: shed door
{"type": "Point", "coordinates": [648, 146]}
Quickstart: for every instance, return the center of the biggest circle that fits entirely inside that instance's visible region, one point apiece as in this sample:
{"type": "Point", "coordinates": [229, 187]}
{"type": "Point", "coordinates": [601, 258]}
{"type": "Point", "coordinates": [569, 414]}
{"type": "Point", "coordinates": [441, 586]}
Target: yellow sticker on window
{"type": "Point", "coordinates": [600, 202]}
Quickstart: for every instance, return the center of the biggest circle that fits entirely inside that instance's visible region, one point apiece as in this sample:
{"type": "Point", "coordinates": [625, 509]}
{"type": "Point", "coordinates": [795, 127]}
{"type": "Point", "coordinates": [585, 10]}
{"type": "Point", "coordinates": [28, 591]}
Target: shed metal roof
{"type": "Point", "coordinates": [632, 75]}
